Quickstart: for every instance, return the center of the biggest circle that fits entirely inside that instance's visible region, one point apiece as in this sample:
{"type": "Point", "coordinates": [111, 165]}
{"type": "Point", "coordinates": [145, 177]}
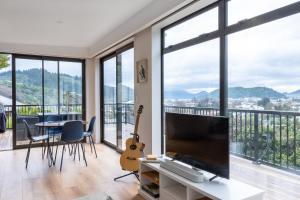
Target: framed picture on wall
{"type": "Point", "coordinates": [142, 71]}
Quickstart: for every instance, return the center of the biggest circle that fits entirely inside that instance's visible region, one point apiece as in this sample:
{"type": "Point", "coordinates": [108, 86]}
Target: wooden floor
{"type": "Point", "coordinates": [40, 182]}
{"type": "Point", "coordinates": [6, 140]}
{"type": "Point", "coordinates": [277, 184]}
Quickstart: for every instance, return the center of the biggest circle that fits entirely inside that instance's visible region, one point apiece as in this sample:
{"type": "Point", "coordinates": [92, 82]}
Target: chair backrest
{"type": "Point", "coordinates": [72, 131]}
{"type": "Point", "coordinates": [91, 125]}
{"type": "Point", "coordinates": [53, 118]}
{"type": "Point", "coordinates": [28, 131]}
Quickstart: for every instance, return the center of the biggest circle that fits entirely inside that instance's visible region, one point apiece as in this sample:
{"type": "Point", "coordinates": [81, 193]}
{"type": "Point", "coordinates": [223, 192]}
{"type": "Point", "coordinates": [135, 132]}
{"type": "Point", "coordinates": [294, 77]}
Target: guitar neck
{"type": "Point", "coordinates": [135, 133]}
{"type": "Point", "coordinates": [137, 121]}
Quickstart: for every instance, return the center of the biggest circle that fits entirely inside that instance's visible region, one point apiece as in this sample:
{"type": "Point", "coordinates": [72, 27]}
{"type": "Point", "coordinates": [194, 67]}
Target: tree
{"type": "Point", "coordinates": [4, 61]}
{"type": "Point", "coordinates": [264, 102]}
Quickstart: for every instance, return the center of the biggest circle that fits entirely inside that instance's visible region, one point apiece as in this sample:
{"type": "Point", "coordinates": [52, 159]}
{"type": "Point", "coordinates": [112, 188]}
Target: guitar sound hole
{"type": "Point", "coordinates": [133, 147]}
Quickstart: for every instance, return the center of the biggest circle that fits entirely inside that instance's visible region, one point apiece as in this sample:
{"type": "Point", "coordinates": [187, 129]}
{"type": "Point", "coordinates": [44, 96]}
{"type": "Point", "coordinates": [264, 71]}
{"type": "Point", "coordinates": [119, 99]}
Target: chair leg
{"type": "Point", "coordinates": [28, 153]}
{"type": "Point", "coordinates": [90, 143]}
{"type": "Point", "coordinates": [94, 146]}
{"type": "Point", "coordinates": [62, 157]}
{"type": "Point", "coordinates": [75, 151]}
{"type": "Point", "coordinates": [55, 154]}
{"type": "Point", "coordinates": [49, 153]}
{"type": "Point", "coordinates": [83, 154]}
{"type": "Point", "coordinates": [69, 149]}
{"type": "Point", "coordinates": [43, 149]}
{"type": "Point", "coordinates": [78, 153]}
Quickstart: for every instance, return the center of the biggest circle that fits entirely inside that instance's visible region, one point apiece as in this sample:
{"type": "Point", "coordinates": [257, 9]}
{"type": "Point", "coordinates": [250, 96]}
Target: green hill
{"type": "Point", "coordinates": [258, 92]}
{"type": "Point", "coordinates": [29, 86]}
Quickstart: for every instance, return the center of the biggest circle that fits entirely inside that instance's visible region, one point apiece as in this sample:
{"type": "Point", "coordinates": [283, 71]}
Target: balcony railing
{"type": "Point", "coordinates": [35, 110]}
{"type": "Point", "coordinates": [269, 137]}
{"type": "Point", "coordinates": [127, 112]}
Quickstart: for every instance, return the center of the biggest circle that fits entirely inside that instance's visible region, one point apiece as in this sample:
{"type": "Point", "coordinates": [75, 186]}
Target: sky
{"type": "Point", "coordinates": [70, 68]}
{"type": "Point", "coordinates": [264, 56]}
{"type": "Point", "coordinates": [127, 70]}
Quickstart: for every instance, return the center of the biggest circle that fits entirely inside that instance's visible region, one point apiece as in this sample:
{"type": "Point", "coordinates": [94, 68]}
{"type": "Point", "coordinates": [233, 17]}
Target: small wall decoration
{"type": "Point", "coordinates": [142, 71]}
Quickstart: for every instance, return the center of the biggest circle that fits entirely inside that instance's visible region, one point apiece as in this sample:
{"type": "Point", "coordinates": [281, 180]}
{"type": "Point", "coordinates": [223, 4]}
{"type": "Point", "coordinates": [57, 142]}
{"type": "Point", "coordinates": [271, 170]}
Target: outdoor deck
{"type": "Point", "coordinates": [6, 140]}
{"type": "Point", "coordinates": [278, 184]}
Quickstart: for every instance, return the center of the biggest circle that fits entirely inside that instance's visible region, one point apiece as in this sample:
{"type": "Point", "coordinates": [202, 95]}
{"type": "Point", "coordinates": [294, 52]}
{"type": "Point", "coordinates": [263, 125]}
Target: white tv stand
{"type": "Point", "coordinates": [175, 187]}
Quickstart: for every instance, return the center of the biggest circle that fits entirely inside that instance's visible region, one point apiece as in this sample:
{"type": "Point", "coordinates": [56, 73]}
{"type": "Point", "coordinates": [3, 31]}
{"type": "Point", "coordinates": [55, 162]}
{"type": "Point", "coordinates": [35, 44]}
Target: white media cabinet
{"type": "Point", "coordinates": [175, 187]}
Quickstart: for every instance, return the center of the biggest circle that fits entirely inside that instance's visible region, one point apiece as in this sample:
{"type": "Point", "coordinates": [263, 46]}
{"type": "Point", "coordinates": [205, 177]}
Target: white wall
{"type": "Point", "coordinates": [142, 91]}
{"type": "Point", "coordinates": [90, 85]}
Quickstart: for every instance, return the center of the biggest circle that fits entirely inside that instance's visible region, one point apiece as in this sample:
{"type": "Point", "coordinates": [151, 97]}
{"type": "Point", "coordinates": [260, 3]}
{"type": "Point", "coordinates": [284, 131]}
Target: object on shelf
{"type": "Point", "coordinates": [151, 157]}
{"type": "Point", "coordinates": [152, 189]}
{"type": "Point", "coordinates": [151, 176]}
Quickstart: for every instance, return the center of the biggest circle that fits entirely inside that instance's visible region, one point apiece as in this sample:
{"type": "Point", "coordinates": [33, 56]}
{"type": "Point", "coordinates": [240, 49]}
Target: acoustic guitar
{"type": "Point", "coordinates": [134, 149]}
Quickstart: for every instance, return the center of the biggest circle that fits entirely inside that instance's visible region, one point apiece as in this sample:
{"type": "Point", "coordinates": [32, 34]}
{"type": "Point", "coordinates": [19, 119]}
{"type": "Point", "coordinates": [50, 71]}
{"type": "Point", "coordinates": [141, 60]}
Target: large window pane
{"type": "Point", "coordinates": [6, 100]}
{"type": "Point", "coordinates": [110, 108]}
{"type": "Point", "coordinates": [191, 79]}
{"type": "Point", "coordinates": [128, 119]}
{"type": "Point", "coordinates": [29, 96]}
{"type": "Point", "coordinates": [203, 23]}
{"type": "Point", "coordinates": [242, 9]}
{"type": "Point", "coordinates": [51, 87]}
{"type": "Point", "coordinates": [70, 89]}
{"type": "Point", "coordinates": [264, 96]}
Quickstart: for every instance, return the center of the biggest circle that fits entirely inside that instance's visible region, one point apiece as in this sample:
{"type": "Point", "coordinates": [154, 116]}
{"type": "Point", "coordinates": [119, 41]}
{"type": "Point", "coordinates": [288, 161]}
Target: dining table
{"type": "Point", "coordinates": [44, 127]}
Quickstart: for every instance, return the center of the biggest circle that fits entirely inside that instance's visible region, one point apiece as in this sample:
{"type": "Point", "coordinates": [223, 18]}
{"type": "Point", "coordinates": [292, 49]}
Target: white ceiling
{"type": "Point", "coordinates": [64, 23]}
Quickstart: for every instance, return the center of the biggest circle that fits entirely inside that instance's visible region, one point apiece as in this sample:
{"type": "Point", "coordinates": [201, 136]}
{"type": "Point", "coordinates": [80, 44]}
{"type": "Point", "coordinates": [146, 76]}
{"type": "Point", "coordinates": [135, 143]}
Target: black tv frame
{"type": "Point", "coordinates": [217, 172]}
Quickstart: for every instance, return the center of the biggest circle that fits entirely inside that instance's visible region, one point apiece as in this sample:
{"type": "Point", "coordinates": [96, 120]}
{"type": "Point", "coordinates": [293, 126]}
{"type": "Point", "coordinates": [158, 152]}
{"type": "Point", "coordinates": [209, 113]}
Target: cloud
{"type": "Point", "coordinates": [266, 55]}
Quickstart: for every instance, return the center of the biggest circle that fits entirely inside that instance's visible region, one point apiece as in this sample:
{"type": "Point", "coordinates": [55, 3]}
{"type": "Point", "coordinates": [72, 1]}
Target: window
{"type": "Point", "coordinates": [206, 23]}
{"type": "Point", "coordinates": [247, 71]}
{"type": "Point", "coordinates": [51, 86]}
{"type": "Point", "coordinates": [6, 100]}
{"type": "Point", "coordinates": [46, 87]}
{"type": "Point", "coordinates": [193, 80]}
{"type": "Point", "coordinates": [240, 9]}
{"type": "Point", "coordinates": [264, 69]}
{"type": "Point", "coordinates": [118, 97]}
{"type": "Point", "coordinates": [70, 80]}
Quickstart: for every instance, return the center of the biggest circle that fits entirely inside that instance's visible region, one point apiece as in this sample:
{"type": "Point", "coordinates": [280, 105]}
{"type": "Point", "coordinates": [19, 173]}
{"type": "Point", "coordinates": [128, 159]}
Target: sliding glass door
{"type": "Point", "coordinates": [109, 101]}
{"type": "Point", "coordinates": [118, 97]}
{"type": "Point", "coordinates": [29, 95]}
{"type": "Point", "coordinates": [5, 102]}
{"type": "Point", "coordinates": [45, 87]}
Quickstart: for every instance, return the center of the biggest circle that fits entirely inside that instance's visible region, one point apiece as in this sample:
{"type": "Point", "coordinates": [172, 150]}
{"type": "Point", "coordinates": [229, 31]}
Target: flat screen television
{"type": "Point", "coordinates": [199, 141]}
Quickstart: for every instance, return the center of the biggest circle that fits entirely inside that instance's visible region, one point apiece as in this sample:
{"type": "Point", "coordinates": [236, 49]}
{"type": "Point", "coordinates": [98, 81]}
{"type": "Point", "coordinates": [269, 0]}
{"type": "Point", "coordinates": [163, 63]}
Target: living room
{"type": "Point", "coordinates": [117, 68]}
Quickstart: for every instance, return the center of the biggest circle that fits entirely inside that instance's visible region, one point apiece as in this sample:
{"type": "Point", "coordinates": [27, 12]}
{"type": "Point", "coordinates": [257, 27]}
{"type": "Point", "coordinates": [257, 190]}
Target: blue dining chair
{"type": "Point", "coordinates": [72, 133]}
{"type": "Point", "coordinates": [31, 138]}
{"type": "Point", "coordinates": [54, 118]}
{"type": "Point", "coordinates": [89, 134]}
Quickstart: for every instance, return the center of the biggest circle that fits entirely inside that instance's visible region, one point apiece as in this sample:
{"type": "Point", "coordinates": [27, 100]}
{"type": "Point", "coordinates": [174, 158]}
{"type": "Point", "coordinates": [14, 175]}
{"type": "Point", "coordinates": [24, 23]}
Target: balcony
{"type": "Point", "coordinates": [265, 145]}
{"type": "Point", "coordinates": [33, 114]}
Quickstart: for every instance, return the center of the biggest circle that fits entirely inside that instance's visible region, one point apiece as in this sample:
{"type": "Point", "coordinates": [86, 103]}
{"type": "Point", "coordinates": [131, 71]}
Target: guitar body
{"type": "Point", "coordinates": [134, 149]}
{"type": "Point", "coordinates": [129, 158]}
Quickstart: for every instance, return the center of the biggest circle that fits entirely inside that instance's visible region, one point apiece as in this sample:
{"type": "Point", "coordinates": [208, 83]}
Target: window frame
{"type": "Point", "coordinates": [106, 57]}
{"type": "Point", "coordinates": [15, 56]}
{"type": "Point", "coordinates": [223, 31]}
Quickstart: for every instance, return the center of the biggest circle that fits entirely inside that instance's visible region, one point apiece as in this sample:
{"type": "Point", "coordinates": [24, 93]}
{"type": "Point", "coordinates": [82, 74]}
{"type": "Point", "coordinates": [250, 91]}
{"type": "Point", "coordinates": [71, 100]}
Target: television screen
{"type": "Point", "coordinates": [200, 141]}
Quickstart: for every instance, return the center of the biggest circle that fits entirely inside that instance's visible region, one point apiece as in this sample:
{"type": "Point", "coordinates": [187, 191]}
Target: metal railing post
{"type": "Point", "coordinates": [256, 138]}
